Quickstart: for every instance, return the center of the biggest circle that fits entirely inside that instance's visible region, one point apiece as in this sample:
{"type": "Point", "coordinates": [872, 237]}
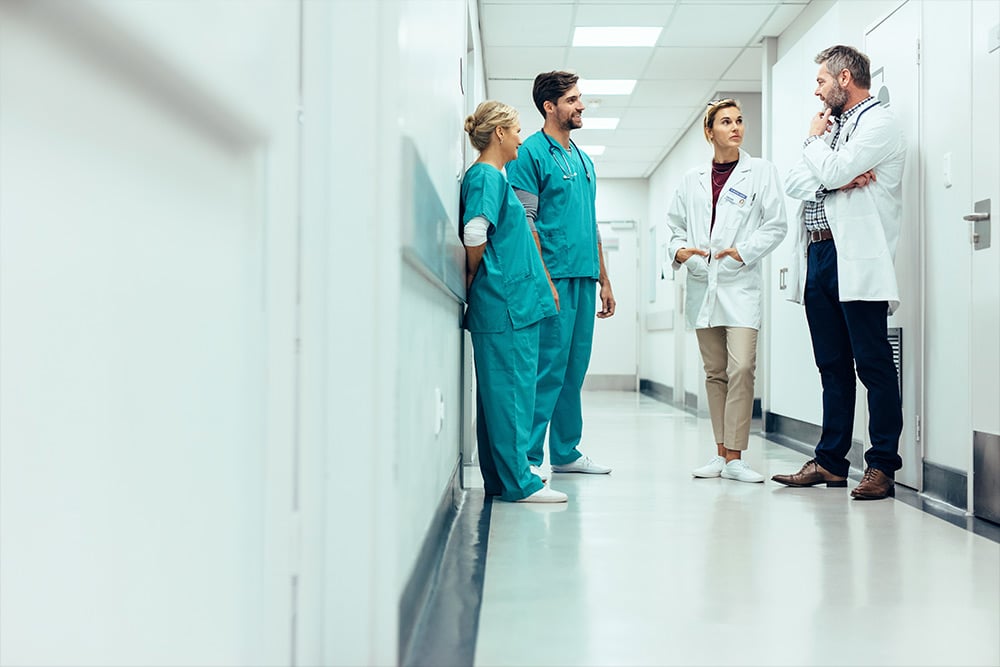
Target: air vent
{"type": "Point", "coordinates": [896, 342]}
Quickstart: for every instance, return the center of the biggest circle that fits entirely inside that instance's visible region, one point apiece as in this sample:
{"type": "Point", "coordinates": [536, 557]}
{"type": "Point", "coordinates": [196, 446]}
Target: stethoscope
{"type": "Point", "coordinates": [565, 166]}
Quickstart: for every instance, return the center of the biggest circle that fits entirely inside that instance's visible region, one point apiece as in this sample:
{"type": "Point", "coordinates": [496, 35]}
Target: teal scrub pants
{"type": "Point", "coordinates": [563, 357]}
{"type": "Point", "coordinates": [506, 372]}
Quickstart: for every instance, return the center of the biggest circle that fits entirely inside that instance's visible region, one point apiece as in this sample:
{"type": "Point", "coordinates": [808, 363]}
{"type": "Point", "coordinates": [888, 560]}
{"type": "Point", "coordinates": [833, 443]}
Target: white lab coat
{"type": "Point", "coordinates": [864, 221]}
{"type": "Point", "coordinates": [750, 216]}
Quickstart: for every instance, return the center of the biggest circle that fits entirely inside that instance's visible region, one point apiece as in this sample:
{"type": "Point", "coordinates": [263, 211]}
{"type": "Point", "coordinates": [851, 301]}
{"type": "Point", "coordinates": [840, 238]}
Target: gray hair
{"type": "Point", "coordinates": [840, 57]}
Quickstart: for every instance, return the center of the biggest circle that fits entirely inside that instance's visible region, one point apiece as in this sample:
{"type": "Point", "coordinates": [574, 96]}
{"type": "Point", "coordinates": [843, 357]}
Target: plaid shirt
{"type": "Point", "coordinates": [814, 212]}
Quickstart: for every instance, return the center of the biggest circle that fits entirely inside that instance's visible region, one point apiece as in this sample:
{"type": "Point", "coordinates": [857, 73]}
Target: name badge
{"type": "Point", "coordinates": [739, 199]}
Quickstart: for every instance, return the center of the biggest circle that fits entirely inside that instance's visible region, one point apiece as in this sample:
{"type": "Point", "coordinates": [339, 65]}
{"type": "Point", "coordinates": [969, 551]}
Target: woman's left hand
{"type": "Point", "coordinates": [731, 252]}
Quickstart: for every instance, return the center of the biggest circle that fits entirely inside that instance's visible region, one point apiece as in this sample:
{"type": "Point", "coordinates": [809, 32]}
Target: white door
{"type": "Point", "coordinates": [985, 306]}
{"type": "Point", "coordinates": [614, 361]}
{"type": "Point", "coordinates": [893, 47]}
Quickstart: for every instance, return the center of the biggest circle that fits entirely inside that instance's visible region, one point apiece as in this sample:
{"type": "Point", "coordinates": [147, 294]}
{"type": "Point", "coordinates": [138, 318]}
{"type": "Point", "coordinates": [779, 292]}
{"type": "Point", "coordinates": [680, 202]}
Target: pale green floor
{"type": "Point", "coordinates": [648, 566]}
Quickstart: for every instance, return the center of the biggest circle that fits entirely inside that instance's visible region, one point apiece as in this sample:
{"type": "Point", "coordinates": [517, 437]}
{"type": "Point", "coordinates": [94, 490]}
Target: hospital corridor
{"type": "Point", "coordinates": [489, 333]}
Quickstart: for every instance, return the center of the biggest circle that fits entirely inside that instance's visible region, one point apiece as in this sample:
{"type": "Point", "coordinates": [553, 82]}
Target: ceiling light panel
{"type": "Point", "coordinates": [592, 151]}
{"type": "Point", "coordinates": [595, 87]}
{"type": "Point", "coordinates": [591, 123]}
{"type": "Point", "coordinates": [616, 36]}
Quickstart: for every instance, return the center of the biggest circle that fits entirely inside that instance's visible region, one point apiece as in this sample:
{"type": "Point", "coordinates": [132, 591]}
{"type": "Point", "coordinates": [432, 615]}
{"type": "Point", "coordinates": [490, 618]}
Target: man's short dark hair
{"type": "Point", "coordinates": [550, 86]}
{"type": "Point", "coordinates": [840, 57]}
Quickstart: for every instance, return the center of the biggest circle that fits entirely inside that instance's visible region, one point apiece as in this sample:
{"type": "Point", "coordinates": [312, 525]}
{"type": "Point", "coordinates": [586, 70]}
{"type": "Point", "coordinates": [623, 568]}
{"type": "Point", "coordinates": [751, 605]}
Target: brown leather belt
{"type": "Point", "coordinates": [819, 235]}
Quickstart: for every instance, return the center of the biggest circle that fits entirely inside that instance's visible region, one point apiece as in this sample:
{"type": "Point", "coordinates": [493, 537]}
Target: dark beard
{"type": "Point", "coordinates": [569, 125]}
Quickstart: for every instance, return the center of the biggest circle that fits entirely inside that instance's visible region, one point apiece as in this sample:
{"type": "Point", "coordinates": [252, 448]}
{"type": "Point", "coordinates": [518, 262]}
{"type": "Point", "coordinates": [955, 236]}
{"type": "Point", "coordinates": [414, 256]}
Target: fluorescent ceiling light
{"type": "Point", "coordinates": [606, 86]}
{"type": "Point", "coordinates": [592, 151]}
{"type": "Point", "coordinates": [590, 123]}
{"type": "Point", "coordinates": [615, 36]}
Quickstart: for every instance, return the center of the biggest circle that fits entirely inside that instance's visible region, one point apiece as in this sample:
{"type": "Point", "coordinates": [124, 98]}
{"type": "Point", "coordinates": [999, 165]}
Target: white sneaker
{"type": "Point", "coordinates": [583, 464]}
{"type": "Point", "coordinates": [535, 470]}
{"type": "Point", "coordinates": [711, 469]}
{"type": "Point", "coordinates": [739, 470]}
{"type": "Point", "coordinates": [545, 495]}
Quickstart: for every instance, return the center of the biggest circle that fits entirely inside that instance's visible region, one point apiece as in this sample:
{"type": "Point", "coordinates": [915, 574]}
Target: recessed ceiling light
{"type": "Point", "coordinates": [616, 36]}
{"type": "Point", "coordinates": [592, 151]}
{"type": "Point", "coordinates": [590, 123]}
{"type": "Point", "coordinates": [606, 86]}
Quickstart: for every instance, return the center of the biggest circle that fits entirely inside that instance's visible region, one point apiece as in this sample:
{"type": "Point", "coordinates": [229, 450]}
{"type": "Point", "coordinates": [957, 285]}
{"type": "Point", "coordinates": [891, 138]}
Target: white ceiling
{"type": "Point", "coordinates": [706, 46]}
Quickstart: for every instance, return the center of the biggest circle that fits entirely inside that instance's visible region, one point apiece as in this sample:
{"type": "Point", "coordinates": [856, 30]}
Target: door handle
{"type": "Point", "coordinates": [980, 227]}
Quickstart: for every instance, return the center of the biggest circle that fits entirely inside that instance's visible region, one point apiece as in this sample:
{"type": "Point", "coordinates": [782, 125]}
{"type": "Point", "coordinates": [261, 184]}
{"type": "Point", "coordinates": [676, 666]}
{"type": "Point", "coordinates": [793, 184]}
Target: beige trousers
{"type": "Point", "coordinates": [730, 358]}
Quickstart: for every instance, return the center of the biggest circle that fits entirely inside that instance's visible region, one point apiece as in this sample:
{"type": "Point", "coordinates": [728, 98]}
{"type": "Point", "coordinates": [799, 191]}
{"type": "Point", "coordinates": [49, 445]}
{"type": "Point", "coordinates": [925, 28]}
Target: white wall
{"type": "Point", "coordinates": [217, 372]}
{"type": "Point", "coordinates": [147, 381]}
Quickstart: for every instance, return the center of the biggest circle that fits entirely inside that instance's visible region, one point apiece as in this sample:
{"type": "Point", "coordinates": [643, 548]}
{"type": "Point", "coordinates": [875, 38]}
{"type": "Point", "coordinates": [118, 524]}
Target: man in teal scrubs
{"type": "Point", "coordinates": [555, 182]}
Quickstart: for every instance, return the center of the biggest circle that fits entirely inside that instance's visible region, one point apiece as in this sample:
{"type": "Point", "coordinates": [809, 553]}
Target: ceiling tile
{"type": "Point", "coordinates": [748, 65]}
{"type": "Point", "coordinates": [515, 93]}
{"type": "Point", "coordinates": [715, 24]}
{"type": "Point", "coordinates": [621, 170]}
{"type": "Point", "coordinates": [631, 153]}
{"type": "Point", "coordinates": [546, 24]}
{"type": "Point", "coordinates": [521, 62]}
{"type": "Point", "coordinates": [637, 118]}
{"type": "Point", "coordinates": [781, 19]}
{"type": "Point", "coordinates": [672, 93]}
{"type": "Point", "coordinates": [690, 63]}
{"type": "Point", "coordinates": [624, 14]}
{"type": "Point", "coordinates": [608, 62]}
{"type": "Point", "coordinates": [740, 86]}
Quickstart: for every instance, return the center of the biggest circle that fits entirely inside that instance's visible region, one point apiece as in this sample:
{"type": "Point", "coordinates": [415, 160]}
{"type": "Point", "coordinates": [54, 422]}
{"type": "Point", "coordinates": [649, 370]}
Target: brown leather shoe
{"type": "Point", "coordinates": [811, 474]}
{"type": "Point", "coordinates": [875, 485]}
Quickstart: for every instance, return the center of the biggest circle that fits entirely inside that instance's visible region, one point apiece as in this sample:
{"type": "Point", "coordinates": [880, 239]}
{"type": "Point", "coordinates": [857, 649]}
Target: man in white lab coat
{"type": "Point", "coordinates": [850, 182]}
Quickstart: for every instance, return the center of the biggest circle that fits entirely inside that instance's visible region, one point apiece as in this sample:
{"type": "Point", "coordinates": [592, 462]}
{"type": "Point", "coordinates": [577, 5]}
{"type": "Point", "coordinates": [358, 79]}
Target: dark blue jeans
{"type": "Point", "coordinates": [844, 333]}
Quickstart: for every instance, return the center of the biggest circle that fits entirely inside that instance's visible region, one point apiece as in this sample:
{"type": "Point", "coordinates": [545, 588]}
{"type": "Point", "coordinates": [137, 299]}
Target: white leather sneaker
{"type": "Point", "coordinates": [711, 469]}
{"type": "Point", "coordinates": [545, 495]}
{"type": "Point", "coordinates": [583, 464]}
{"type": "Point", "coordinates": [739, 470]}
{"type": "Point", "coordinates": [535, 470]}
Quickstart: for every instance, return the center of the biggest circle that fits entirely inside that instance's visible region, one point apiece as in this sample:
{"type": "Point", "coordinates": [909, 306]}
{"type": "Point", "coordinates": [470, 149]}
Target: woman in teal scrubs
{"type": "Point", "coordinates": [508, 295]}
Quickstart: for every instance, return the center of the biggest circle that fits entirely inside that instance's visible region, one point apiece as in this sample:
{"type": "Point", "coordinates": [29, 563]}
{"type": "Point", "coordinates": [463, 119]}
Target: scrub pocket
{"type": "Point", "coordinates": [524, 303]}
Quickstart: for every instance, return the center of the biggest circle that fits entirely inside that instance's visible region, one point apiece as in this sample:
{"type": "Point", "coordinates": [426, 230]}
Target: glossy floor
{"type": "Point", "coordinates": [648, 566]}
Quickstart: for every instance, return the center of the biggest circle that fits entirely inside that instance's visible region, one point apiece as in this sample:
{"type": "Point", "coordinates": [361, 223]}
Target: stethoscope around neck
{"type": "Point", "coordinates": [564, 166]}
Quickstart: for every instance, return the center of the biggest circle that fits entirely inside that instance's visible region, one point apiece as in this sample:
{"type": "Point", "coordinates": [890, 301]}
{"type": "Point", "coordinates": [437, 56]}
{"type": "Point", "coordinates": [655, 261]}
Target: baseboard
{"type": "Point", "coordinates": [609, 382]}
{"type": "Point", "coordinates": [798, 431]}
{"type": "Point", "coordinates": [691, 402]}
{"type": "Point", "coordinates": [660, 392]}
{"type": "Point", "coordinates": [421, 582]}
{"type": "Point", "coordinates": [665, 394]}
{"type": "Point", "coordinates": [946, 484]}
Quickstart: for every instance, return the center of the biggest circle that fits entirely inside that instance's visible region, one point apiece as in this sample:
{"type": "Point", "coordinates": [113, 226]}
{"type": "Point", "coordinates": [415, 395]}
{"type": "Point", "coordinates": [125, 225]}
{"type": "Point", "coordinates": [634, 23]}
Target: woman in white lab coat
{"type": "Point", "coordinates": [725, 218]}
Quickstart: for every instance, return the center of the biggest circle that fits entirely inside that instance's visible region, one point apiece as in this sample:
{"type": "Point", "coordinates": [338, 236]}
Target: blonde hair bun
{"type": "Point", "coordinates": [487, 117]}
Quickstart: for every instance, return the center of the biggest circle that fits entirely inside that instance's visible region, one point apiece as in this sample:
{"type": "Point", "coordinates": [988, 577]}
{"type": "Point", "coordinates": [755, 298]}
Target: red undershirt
{"type": "Point", "coordinates": [720, 174]}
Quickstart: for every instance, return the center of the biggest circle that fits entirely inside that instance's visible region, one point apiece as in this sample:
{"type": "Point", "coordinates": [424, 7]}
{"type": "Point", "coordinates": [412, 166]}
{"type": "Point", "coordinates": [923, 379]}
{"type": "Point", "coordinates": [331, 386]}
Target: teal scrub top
{"type": "Point", "coordinates": [566, 187]}
{"type": "Point", "coordinates": [510, 280]}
